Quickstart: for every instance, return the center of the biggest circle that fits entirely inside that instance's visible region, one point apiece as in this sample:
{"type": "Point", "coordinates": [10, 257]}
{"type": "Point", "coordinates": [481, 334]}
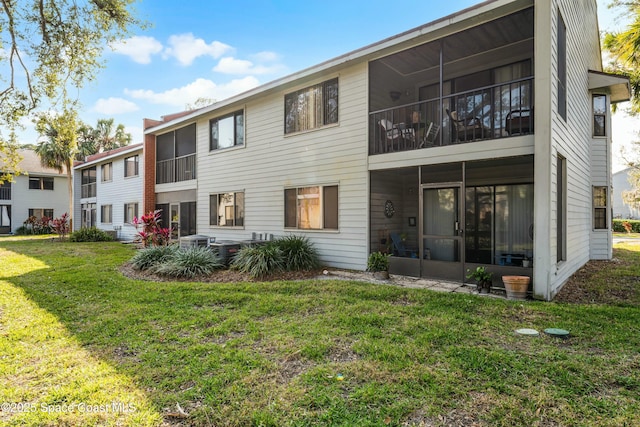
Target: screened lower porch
{"type": "Point", "coordinates": [437, 221]}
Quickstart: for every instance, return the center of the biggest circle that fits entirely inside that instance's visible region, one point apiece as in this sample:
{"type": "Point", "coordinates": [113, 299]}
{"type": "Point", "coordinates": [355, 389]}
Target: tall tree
{"type": "Point", "coordinates": [105, 136]}
{"type": "Point", "coordinates": [59, 146]}
{"type": "Point", "coordinates": [48, 47]}
{"type": "Point", "coordinates": [109, 136]}
{"type": "Point", "coordinates": [624, 49]}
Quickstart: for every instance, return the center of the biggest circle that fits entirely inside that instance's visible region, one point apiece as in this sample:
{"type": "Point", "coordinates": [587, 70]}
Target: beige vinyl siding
{"type": "Point", "coordinates": [601, 246]}
{"type": "Point", "coordinates": [572, 138]}
{"type": "Point", "coordinates": [23, 199]}
{"type": "Point", "coordinates": [117, 192]}
{"type": "Point", "coordinates": [269, 162]}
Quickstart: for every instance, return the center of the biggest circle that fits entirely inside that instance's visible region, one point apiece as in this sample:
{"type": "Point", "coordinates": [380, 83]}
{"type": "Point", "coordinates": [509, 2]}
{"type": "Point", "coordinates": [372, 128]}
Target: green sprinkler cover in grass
{"type": "Point", "coordinates": [557, 332]}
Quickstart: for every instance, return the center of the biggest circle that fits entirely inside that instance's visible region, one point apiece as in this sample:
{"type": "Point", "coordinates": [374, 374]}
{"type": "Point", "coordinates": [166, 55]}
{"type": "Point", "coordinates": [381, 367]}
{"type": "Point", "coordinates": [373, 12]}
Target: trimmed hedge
{"type": "Point", "coordinates": [92, 234]}
{"type": "Point", "coordinates": [618, 226]}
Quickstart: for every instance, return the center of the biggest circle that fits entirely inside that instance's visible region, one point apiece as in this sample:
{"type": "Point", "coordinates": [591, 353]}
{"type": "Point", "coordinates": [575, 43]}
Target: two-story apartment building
{"type": "Point", "coordinates": [38, 191]}
{"type": "Point", "coordinates": [108, 191]}
{"type": "Point", "coordinates": [621, 185]}
{"type": "Point", "coordinates": [482, 138]}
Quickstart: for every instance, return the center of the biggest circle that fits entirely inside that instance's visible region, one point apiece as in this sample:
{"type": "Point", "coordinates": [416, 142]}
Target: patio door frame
{"type": "Point", "coordinates": [447, 270]}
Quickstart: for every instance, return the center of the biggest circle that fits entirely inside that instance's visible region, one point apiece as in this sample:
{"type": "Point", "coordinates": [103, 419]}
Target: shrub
{"type": "Point", "coordinates": [34, 225]}
{"type": "Point", "coordinates": [619, 227]}
{"type": "Point", "coordinates": [298, 253]}
{"type": "Point", "coordinates": [189, 263]}
{"type": "Point", "coordinates": [152, 234]}
{"type": "Point", "coordinates": [61, 226]}
{"type": "Point", "coordinates": [23, 230]}
{"type": "Point", "coordinates": [259, 261]}
{"type": "Point", "coordinates": [378, 261]}
{"type": "Point", "coordinates": [152, 256]}
{"type": "Point", "coordinates": [91, 234]}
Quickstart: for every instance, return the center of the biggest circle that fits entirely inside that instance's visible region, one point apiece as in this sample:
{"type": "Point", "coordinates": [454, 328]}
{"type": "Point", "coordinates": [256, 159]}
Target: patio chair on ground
{"type": "Point", "coordinates": [398, 245]}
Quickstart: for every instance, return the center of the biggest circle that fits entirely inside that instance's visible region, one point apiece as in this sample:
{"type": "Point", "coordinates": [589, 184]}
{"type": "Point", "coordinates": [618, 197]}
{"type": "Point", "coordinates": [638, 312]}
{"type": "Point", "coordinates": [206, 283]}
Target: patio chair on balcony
{"type": "Point", "coordinates": [393, 136]}
{"type": "Point", "coordinates": [430, 135]}
{"type": "Point", "coordinates": [467, 129]}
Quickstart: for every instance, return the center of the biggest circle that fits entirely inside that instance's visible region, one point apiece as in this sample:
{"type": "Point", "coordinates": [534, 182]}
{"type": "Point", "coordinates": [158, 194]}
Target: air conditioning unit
{"type": "Point", "coordinates": [194, 241]}
{"type": "Point", "coordinates": [226, 249]}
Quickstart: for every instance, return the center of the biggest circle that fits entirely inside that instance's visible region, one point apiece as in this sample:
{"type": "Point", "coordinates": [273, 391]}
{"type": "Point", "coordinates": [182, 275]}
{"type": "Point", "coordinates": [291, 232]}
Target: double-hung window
{"type": "Point", "coordinates": [599, 115]}
{"type": "Point", "coordinates": [107, 172]}
{"type": "Point", "coordinates": [600, 208]}
{"type": "Point", "coordinates": [106, 216]}
{"type": "Point", "coordinates": [226, 209]}
{"type": "Point", "coordinates": [130, 212]}
{"type": "Point", "coordinates": [40, 183]}
{"type": "Point", "coordinates": [41, 213]}
{"type": "Point", "coordinates": [311, 107]}
{"type": "Point", "coordinates": [131, 166]}
{"type": "Point", "coordinates": [227, 131]}
{"type": "Point", "coordinates": [311, 208]}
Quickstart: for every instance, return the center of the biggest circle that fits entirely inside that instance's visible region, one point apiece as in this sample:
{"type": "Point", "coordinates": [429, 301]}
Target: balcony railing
{"type": "Point", "coordinates": [5, 193]}
{"type": "Point", "coordinates": [490, 112]}
{"type": "Point", "coordinates": [89, 190]}
{"type": "Point", "coordinates": [176, 170]}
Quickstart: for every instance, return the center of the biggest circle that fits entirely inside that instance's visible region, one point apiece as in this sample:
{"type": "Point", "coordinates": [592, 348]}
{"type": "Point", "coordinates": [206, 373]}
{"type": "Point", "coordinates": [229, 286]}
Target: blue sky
{"type": "Point", "coordinates": [219, 48]}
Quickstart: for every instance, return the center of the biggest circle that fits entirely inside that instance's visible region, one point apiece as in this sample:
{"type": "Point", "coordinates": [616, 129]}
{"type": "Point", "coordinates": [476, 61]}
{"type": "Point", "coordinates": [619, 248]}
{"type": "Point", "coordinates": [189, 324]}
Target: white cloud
{"type": "Point", "coordinates": [185, 48]}
{"type": "Point", "coordinates": [112, 106]}
{"type": "Point", "coordinates": [138, 48]}
{"type": "Point", "coordinates": [265, 56]}
{"type": "Point", "coordinates": [229, 65]}
{"type": "Point", "coordinates": [200, 88]}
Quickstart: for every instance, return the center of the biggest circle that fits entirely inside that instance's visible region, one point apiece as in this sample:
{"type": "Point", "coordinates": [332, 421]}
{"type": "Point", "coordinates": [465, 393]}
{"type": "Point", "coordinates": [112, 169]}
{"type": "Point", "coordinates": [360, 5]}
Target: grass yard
{"type": "Point", "coordinates": [82, 345]}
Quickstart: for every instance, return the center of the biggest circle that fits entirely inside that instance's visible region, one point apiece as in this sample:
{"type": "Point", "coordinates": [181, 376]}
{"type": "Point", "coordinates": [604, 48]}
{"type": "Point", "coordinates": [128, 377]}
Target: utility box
{"type": "Point", "coordinates": [194, 241]}
{"type": "Point", "coordinates": [226, 249]}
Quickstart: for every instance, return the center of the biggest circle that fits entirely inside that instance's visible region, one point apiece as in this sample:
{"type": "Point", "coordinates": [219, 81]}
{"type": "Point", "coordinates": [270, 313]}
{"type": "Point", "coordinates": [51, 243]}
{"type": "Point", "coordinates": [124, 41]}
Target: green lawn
{"type": "Point", "coordinates": [82, 345]}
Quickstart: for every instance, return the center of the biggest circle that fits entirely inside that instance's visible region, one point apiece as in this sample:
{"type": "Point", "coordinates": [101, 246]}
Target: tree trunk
{"type": "Point", "coordinates": [70, 189]}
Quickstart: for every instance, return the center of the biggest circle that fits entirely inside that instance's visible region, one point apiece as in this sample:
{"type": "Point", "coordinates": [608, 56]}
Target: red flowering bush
{"type": "Point", "coordinates": [152, 234]}
{"type": "Point", "coordinates": [61, 226]}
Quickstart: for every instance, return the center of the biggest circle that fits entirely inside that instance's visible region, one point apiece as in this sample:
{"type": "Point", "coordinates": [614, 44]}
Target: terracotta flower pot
{"type": "Point", "coordinates": [516, 286]}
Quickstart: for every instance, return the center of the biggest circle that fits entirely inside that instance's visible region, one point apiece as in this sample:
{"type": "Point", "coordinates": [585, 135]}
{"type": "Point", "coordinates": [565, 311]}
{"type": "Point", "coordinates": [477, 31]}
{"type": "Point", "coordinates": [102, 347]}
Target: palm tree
{"type": "Point", "coordinates": [59, 146]}
{"type": "Point", "coordinates": [624, 49]}
{"type": "Point", "coordinates": [107, 137]}
{"type": "Point", "coordinates": [104, 137]}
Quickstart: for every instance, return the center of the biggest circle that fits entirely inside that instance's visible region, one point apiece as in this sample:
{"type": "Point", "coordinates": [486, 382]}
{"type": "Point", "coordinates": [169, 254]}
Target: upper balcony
{"type": "Point", "coordinates": [471, 86]}
{"type": "Point", "coordinates": [176, 155]}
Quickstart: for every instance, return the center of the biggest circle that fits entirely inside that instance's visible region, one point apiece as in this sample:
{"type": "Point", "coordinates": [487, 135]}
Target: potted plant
{"type": "Point", "coordinates": [482, 278]}
{"type": "Point", "coordinates": [378, 264]}
{"type": "Point", "coordinates": [516, 286]}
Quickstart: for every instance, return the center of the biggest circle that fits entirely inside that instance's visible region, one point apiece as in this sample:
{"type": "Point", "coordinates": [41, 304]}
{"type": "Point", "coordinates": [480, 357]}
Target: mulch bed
{"type": "Point", "coordinates": [584, 288]}
{"type": "Point", "coordinates": [220, 276]}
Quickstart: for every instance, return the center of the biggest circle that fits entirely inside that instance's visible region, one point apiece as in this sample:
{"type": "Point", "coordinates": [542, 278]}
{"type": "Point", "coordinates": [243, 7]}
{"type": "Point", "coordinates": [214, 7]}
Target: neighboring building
{"type": "Point", "coordinates": [38, 192]}
{"type": "Point", "coordinates": [621, 184]}
{"type": "Point", "coordinates": [423, 145]}
{"type": "Point", "coordinates": [107, 189]}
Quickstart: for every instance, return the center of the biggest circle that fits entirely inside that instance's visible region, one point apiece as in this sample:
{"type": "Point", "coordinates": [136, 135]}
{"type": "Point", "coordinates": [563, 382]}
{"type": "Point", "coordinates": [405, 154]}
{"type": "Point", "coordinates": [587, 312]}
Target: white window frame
{"type": "Point", "coordinates": [106, 167]}
{"type": "Point", "coordinates": [238, 211]}
{"type": "Point", "coordinates": [128, 216]}
{"type": "Point", "coordinates": [597, 207]}
{"type": "Point", "coordinates": [302, 196]}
